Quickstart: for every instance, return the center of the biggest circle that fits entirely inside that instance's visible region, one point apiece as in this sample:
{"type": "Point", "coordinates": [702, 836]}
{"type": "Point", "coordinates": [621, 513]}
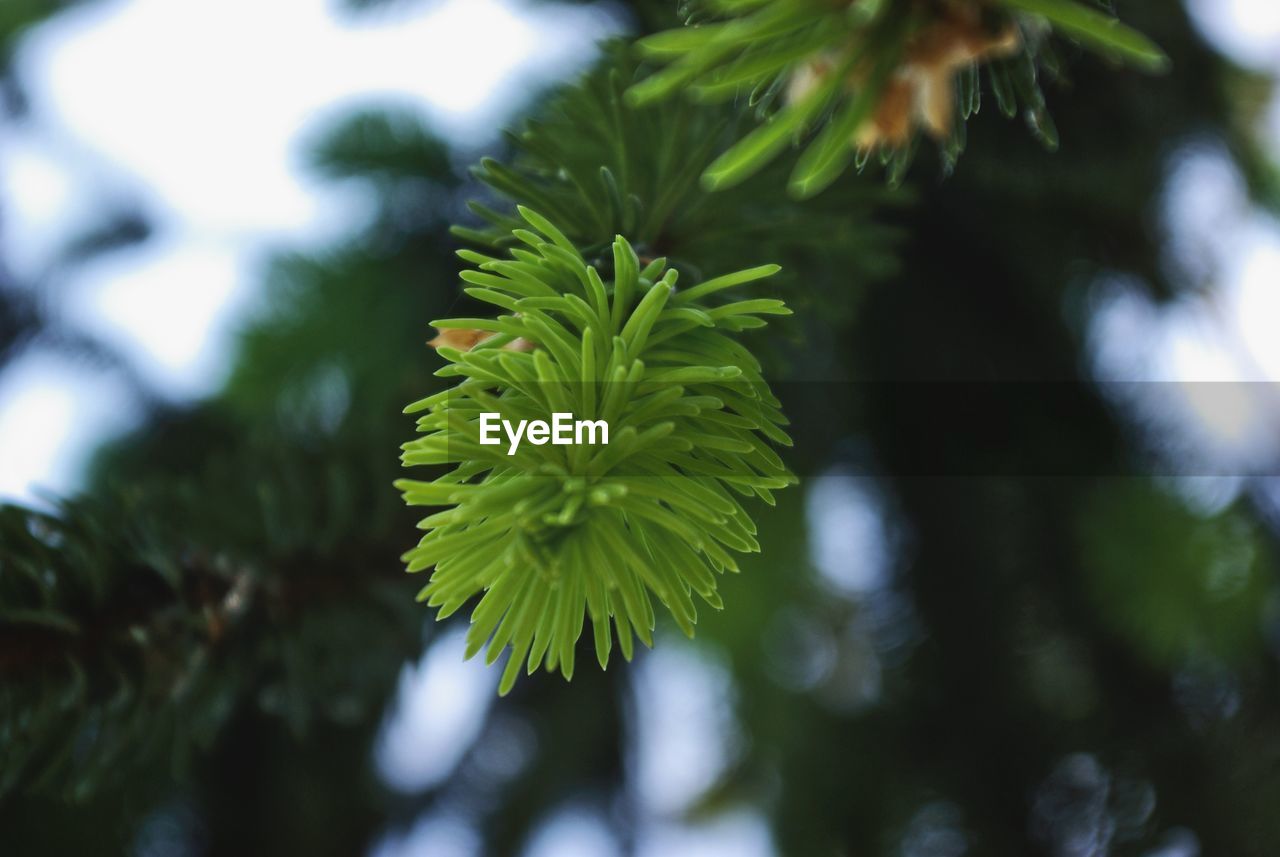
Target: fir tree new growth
{"type": "Point", "coordinates": [550, 534]}
{"type": "Point", "coordinates": [862, 77]}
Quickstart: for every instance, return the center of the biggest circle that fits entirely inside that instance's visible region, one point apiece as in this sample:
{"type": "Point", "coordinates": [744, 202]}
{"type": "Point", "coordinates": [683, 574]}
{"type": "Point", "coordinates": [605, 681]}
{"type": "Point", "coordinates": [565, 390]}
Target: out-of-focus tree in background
{"type": "Point", "coordinates": [213, 648]}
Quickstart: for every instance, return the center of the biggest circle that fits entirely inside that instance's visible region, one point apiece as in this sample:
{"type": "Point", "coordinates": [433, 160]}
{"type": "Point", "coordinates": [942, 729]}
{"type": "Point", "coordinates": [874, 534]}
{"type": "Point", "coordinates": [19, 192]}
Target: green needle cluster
{"type": "Point", "coordinates": [548, 535]}
{"type": "Point", "coordinates": [821, 71]}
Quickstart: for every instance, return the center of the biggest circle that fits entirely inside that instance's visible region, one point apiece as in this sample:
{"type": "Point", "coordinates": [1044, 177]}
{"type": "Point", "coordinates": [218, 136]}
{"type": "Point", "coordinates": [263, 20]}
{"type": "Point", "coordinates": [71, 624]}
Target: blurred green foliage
{"type": "Point", "coordinates": [16, 16]}
{"type": "Point", "coordinates": [1174, 583]}
{"type": "Point", "coordinates": [601, 169]}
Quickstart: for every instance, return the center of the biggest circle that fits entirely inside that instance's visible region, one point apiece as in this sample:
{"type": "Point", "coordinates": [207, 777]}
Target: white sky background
{"type": "Point", "coordinates": [180, 108]}
{"type": "Point", "coordinates": [1225, 327]}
